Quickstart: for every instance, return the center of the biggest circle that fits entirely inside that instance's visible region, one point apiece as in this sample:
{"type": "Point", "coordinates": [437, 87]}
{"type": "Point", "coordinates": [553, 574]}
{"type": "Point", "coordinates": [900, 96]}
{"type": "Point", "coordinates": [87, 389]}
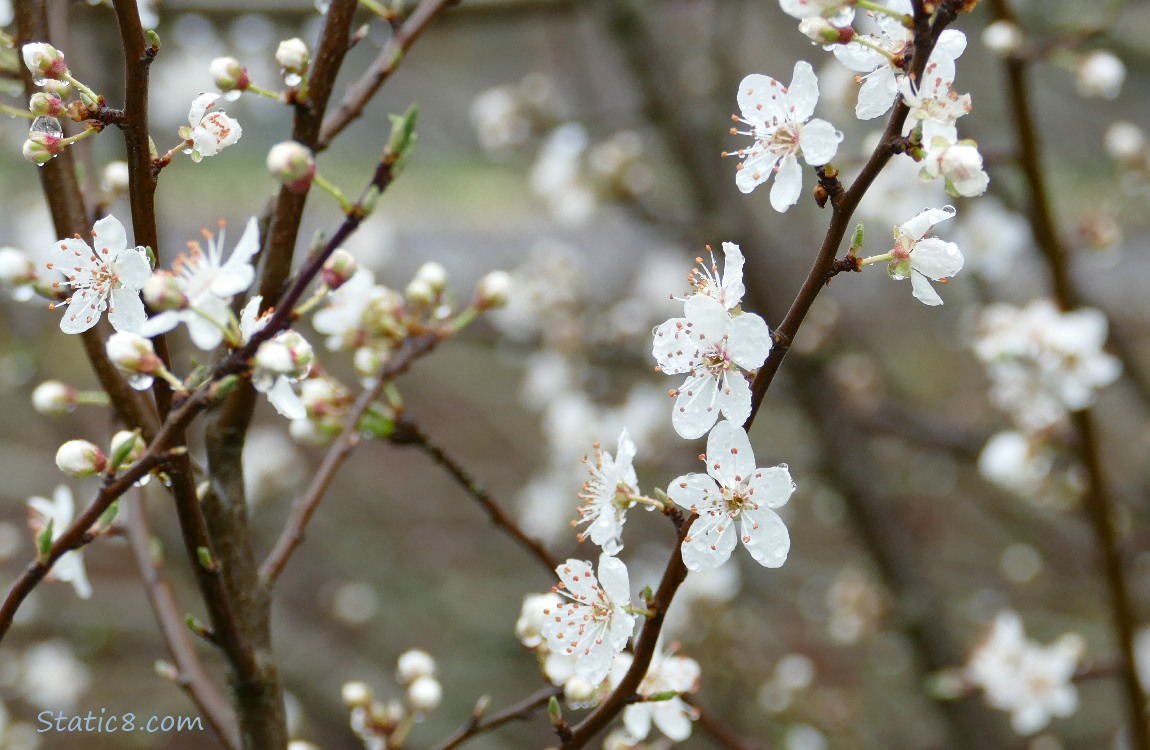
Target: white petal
{"type": "Point", "coordinates": [820, 142]}
{"type": "Point", "coordinates": [672, 346]}
{"type": "Point", "coordinates": [72, 257]}
{"type": "Point", "coordinates": [788, 184]}
{"type": "Point", "coordinates": [672, 719]}
{"type": "Point", "coordinates": [936, 259]}
{"type": "Point", "coordinates": [200, 106]}
{"type": "Point", "coordinates": [734, 399]}
{"type": "Point", "coordinates": [285, 400]}
{"type": "Point", "coordinates": [637, 720]}
{"type": "Point", "coordinates": [772, 486]}
{"type": "Point", "coordinates": [109, 238]}
{"type": "Point", "coordinates": [877, 94]}
{"type": "Point", "coordinates": [690, 491]}
{"type": "Point", "coordinates": [709, 320]}
{"type": "Point", "coordinates": [132, 268]}
{"type": "Point", "coordinates": [205, 335]}
{"type": "Point", "coordinates": [127, 310]}
{"type": "Point", "coordinates": [765, 537]}
{"type": "Point", "coordinates": [755, 170]}
{"type": "Point", "coordinates": [614, 579]}
{"type": "Point", "coordinates": [729, 454]}
{"type": "Point", "coordinates": [761, 99]}
{"type": "Point", "coordinates": [733, 289]}
{"type": "Point", "coordinates": [857, 57]}
{"type": "Point", "coordinates": [159, 323]}
{"type": "Point", "coordinates": [695, 407]}
{"type": "Point", "coordinates": [749, 341]}
{"type": "Point", "coordinates": [925, 221]}
{"type": "Point", "coordinates": [707, 546]}
{"type": "Point", "coordinates": [803, 93]}
{"type": "Point", "coordinates": [951, 43]}
{"type": "Point", "coordinates": [83, 311]}
{"type": "Point", "coordinates": [923, 291]}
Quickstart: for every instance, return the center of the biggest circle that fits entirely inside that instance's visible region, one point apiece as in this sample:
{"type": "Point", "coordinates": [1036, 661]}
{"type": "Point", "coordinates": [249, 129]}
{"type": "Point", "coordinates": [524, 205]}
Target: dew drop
{"type": "Point", "coordinates": [293, 79]}
{"type": "Point", "coordinates": [48, 126]}
{"type": "Point", "coordinates": [898, 270]}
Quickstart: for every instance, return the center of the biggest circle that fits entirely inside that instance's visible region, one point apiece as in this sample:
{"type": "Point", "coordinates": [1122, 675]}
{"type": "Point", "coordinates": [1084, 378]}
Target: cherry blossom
{"type": "Point", "coordinates": [880, 57]}
{"type": "Point", "coordinates": [108, 277]}
{"type": "Point", "coordinates": [726, 287]}
{"type": "Point", "coordinates": [277, 387]}
{"type": "Point", "coordinates": [933, 99]}
{"type": "Point", "coordinates": [593, 624]}
{"type": "Point", "coordinates": [958, 162]}
{"type": "Point", "coordinates": [715, 350]}
{"type": "Point", "coordinates": [607, 494]}
{"type": "Point", "coordinates": [59, 512]}
{"type": "Point", "coordinates": [209, 283]}
{"type": "Point", "coordinates": [839, 12]}
{"type": "Point", "coordinates": [733, 490]}
{"type": "Point", "coordinates": [210, 132]}
{"type": "Point", "coordinates": [778, 120]}
{"type": "Point", "coordinates": [668, 673]}
{"type": "Point", "coordinates": [924, 259]}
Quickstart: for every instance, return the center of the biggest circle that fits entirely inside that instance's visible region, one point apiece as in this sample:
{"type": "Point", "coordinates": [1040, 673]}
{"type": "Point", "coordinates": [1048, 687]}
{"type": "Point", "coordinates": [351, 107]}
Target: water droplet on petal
{"type": "Point", "coordinates": [899, 270]}
{"type": "Point", "coordinates": [293, 79]}
{"type": "Point", "coordinates": [39, 81]}
{"type": "Point", "coordinates": [48, 126]}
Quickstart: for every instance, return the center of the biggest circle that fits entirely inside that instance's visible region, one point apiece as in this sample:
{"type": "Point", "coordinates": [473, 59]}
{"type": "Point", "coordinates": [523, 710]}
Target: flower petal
{"type": "Point", "coordinates": [730, 459]}
{"type": "Point", "coordinates": [749, 341]}
{"type": "Point", "coordinates": [614, 579]}
{"type": "Point", "coordinates": [711, 540]}
{"type": "Point", "coordinates": [766, 537]}
{"type": "Point", "coordinates": [127, 310]}
{"type": "Point", "coordinates": [108, 237]}
{"type": "Point", "coordinates": [788, 184]}
{"type": "Point", "coordinates": [936, 259]}
{"type": "Point", "coordinates": [755, 170]}
{"type": "Point", "coordinates": [820, 142]}
{"type": "Point", "coordinates": [925, 221]}
{"type": "Point", "coordinates": [877, 94]}
{"type": "Point", "coordinates": [83, 311]}
{"type": "Point", "coordinates": [772, 487]}
{"type": "Point", "coordinates": [132, 268]}
{"type": "Point", "coordinates": [690, 491]}
{"type": "Point", "coordinates": [922, 290]}
{"type": "Point", "coordinates": [803, 93]}
{"type": "Point", "coordinates": [734, 399]}
{"type": "Point", "coordinates": [694, 410]}
{"type": "Point", "coordinates": [761, 99]}
{"type": "Point", "coordinates": [284, 399]}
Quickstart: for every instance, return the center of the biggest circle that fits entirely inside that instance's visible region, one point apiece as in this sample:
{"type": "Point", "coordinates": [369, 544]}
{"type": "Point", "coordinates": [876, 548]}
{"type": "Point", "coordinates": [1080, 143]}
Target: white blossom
{"type": "Point", "coordinates": [276, 386]}
{"type": "Point", "coordinates": [716, 351]}
{"type": "Point", "coordinates": [668, 672]}
{"type": "Point", "coordinates": [924, 259]}
{"type": "Point", "coordinates": [1100, 75]}
{"type": "Point", "coordinates": [59, 512]}
{"type": "Point", "coordinates": [107, 275]}
{"type": "Point", "coordinates": [733, 491]}
{"type": "Point", "coordinates": [606, 494]}
{"type": "Point", "coordinates": [933, 99]}
{"type": "Point", "coordinates": [780, 124]}
{"type": "Point", "coordinates": [593, 623]}
{"type": "Point", "coordinates": [210, 132]}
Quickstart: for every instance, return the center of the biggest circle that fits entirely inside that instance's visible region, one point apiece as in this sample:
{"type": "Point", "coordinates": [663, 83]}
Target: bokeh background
{"type": "Point", "coordinates": [577, 145]}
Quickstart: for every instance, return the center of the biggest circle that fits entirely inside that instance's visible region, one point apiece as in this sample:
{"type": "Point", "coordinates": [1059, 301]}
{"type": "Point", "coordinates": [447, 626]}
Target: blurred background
{"type": "Point", "coordinates": [576, 144]}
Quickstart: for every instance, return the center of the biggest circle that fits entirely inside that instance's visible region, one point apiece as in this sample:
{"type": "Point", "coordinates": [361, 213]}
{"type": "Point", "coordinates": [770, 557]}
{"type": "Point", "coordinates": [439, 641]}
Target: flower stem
{"type": "Point", "coordinates": [88, 94]}
{"type": "Point", "coordinates": [335, 192]}
{"type": "Point", "coordinates": [17, 112]}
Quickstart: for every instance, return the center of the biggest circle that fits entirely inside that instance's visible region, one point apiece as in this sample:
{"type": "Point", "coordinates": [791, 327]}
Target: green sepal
{"type": "Point", "coordinates": [402, 140]}
{"type": "Point", "coordinates": [44, 542]}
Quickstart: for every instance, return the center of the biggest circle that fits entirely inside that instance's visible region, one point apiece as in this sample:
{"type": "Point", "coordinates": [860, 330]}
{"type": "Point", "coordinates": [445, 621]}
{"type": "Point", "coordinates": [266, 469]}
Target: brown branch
{"type": "Point", "coordinates": [306, 504]}
{"type": "Point", "coordinates": [191, 674]}
{"type": "Point", "coordinates": [520, 711]}
{"type": "Point", "coordinates": [385, 64]}
{"type": "Point", "coordinates": [719, 731]}
{"type": "Point", "coordinates": [407, 432]}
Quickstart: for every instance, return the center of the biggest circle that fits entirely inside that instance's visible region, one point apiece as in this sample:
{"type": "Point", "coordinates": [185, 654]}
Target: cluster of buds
{"type": "Point", "coordinates": [326, 402]}
{"type": "Point", "coordinates": [381, 724]}
{"type": "Point", "coordinates": [50, 72]}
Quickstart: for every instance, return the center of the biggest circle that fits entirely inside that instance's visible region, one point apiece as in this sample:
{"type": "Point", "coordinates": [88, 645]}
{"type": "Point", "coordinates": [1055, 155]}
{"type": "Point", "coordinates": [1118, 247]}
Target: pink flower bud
{"type": "Point", "coordinates": [292, 164]}
{"type": "Point", "coordinates": [134, 356]}
{"type": "Point", "coordinates": [44, 61]}
{"type": "Point", "coordinates": [79, 458]}
{"type": "Point", "coordinates": [229, 74]}
{"type": "Point", "coordinates": [340, 267]}
{"type": "Point", "coordinates": [45, 103]}
{"type": "Point", "coordinates": [41, 148]}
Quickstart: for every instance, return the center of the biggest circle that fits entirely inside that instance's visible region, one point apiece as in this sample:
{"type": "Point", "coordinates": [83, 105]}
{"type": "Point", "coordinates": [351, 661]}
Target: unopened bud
{"type": "Point", "coordinates": [493, 290]}
{"type": "Point", "coordinates": [1100, 74]}
{"type": "Point", "coordinates": [41, 148]}
{"type": "Point", "coordinates": [292, 164]}
{"type": "Point", "coordinates": [53, 398]}
{"type": "Point", "coordinates": [44, 61]}
{"type": "Point", "coordinates": [420, 292]}
{"type": "Point", "coordinates": [821, 31]}
{"type": "Point", "coordinates": [114, 179]}
{"type": "Point", "coordinates": [1003, 38]}
{"type": "Point", "coordinates": [355, 694]}
{"type": "Point", "coordinates": [292, 56]}
{"type": "Point", "coordinates": [424, 694]}
{"type": "Point", "coordinates": [339, 267]}
{"type": "Point", "coordinates": [46, 103]}
{"type": "Point", "coordinates": [288, 354]}
{"type": "Point", "coordinates": [434, 274]}
{"type": "Point", "coordinates": [578, 690]}
{"type": "Point", "coordinates": [133, 354]}
{"type": "Point", "coordinates": [368, 362]}
{"type": "Point", "coordinates": [413, 664]}
{"type": "Point", "coordinates": [163, 291]}
{"type": "Point", "coordinates": [126, 448]}
{"type": "Point", "coordinates": [79, 458]}
{"type": "Point", "coordinates": [1124, 142]}
{"type": "Point", "coordinates": [16, 268]}
{"type": "Point", "coordinates": [229, 74]}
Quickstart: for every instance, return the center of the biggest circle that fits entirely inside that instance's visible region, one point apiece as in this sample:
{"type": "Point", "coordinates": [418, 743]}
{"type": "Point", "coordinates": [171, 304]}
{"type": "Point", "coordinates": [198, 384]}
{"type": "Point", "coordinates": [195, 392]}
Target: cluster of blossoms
{"type": "Point", "coordinates": [1030, 681]}
{"type": "Point", "coordinates": [379, 724]}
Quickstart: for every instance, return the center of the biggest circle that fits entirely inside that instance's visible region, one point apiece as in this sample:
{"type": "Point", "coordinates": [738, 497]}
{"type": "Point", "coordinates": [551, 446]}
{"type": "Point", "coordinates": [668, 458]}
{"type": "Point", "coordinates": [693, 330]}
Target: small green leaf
{"type": "Point", "coordinates": [857, 240]}
{"type": "Point", "coordinates": [207, 560]}
{"type": "Point", "coordinates": [44, 542]}
{"type": "Point", "coordinates": [401, 142]}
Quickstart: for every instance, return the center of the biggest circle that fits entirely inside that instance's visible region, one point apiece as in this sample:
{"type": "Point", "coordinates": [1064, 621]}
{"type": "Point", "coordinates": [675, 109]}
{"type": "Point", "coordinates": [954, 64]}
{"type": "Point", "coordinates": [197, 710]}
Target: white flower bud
{"type": "Point", "coordinates": [532, 616]}
{"type": "Point", "coordinates": [413, 664]}
{"type": "Point", "coordinates": [961, 164]}
{"type": "Point", "coordinates": [1124, 141]}
{"type": "Point", "coordinates": [338, 268]}
{"type": "Point", "coordinates": [433, 274]}
{"type": "Point", "coordinates": [424, 694]}
{"type": "Point", "coordinates": [301, 745]}
{"type": "Point", "coordinates": [128, 446]}
{"type": "Point", "coordinates": [44, 60]}
{"type": "Point", "coordinates": [821, 31]}
{"type": "Point", "coordinates": [292, 164]}
{"type": "Point", "coordinates": [493, 290]}
{"type": "Point", "coordinates": [288, 354]}
{"type": "Point", "coordinates": [229, 74]}
{"type": "Point", "coordinates": [114, 179]}
{"type": "Point", "coordinates": [1100, 74]}
{"type": "Point", "coordinates": [368, 362]}
{"type": "Point", "coordinates": [53, 398]}
{"type": "Point", "coordinates": [163, 291]}
{"type": "Point", "coordinates": [355, 694]}
{"type": "Point", "coordinates": [41, 148]}
{"type": "Point", "coordinates": [79, 458]}
{"type": "Point", "coordinates": [46, 103]}
{"type": "Point", "coordinates": [420, 292]}
{"type": "Point", "coordinates": [292, 56]}
{"type": "Point", "coordinates": [133, 353]}
{"type": "Point", "coordinates": [16, 268]}
{"type": "Point", "coordinates": [1003, 38]}
{"type": "Point", "coordinates": [578, 690]}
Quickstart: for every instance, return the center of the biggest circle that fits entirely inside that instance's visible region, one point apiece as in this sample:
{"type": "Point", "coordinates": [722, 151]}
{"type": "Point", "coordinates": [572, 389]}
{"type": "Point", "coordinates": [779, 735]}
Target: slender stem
{"type": "Point", "coordinates": [306, 504]}
{"type": "Point", "coordinates": [169, 615]}
{"type": "Point", "coordinates": [407, 432]}
{"type": "Point", "coordinates": [520, 711]}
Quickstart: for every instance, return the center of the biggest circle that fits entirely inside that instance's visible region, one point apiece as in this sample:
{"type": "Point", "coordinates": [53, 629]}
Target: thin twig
{"type": "Point", "coordinates": [381, 69]}
{"type": "Point", "coordinates": [718, 730]}
{"type": "Point", "coordinates": [408, 432]}
{"type": "Point", "coordinates": [306, 504]}
{"type": "Point", "coordinates": [520, 711]}
{"type": "Point", "coordinates": [192, 677]}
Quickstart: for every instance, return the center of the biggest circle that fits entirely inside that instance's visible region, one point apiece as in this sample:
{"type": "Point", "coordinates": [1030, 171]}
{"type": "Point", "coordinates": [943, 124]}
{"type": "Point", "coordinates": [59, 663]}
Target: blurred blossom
{"type": "Point", "coordinates": [1125, 142]}
{"type": "Point", "coordinates": [545, 290]}
{"type": "Point", "coordinates": [354, 602]}
{"type": "Point", "coordinates": [1099, 74]}
{"type": "Point", "coordinates": [898, 192]}
{"type": "Point", "coordinates": [1020, 563]}
{"type": "Point", "coordinates": [546, 376]}
{"type": "Point", "coordinates": [1032, 468]}
{"type": "Point", "coordinates": [53, 679]}
{"type": "Point", "coordinates": [855, 606]}
{"type": "Point", "coordinates": [273, 468]}
{"type": "Point", "coordinates": [507, 116]}
{"type": "Point", "coordinates": [992, 237]}
{"type": "Point", "coordinates": [805, 737]}
{"type": "Point", "coordinates": [857, 376]}
{"type": "Point", "coordinates": [556, 177]}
